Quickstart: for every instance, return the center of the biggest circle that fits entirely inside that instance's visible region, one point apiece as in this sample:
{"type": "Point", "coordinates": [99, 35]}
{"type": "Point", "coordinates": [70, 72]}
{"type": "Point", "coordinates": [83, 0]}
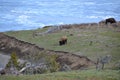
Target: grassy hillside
{"type": "Point", "coordinates": [91, 42]}
{"type": "Point", "coordinates": [72, 75]}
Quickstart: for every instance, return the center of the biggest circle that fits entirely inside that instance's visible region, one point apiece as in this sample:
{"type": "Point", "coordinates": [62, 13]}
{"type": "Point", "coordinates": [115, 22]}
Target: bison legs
{"type": "Point", "coordinates": [62, 42]}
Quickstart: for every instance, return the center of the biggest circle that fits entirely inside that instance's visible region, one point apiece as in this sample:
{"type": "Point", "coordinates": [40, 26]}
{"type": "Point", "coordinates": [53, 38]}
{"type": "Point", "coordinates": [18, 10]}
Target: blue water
{"type": "Point", "coordinates": [32, 14]}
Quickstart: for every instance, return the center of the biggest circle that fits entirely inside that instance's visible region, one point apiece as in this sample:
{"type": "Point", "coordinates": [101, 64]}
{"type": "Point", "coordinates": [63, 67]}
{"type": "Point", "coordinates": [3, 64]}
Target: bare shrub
{"type": "Point", "coordinates": [101, 61]}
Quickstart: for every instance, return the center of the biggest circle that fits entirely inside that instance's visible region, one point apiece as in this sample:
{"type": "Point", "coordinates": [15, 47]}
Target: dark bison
{"type": "Point", "coordinates": [63, 41]}
{"type": "Point", "coordinates": [110, 20]}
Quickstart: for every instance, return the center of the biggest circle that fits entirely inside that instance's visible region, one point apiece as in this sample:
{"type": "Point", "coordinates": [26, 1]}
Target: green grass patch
{"type": "Point", "coordinates": [104, 41]}
{"type": "Point", "coordinates": [71, 75]}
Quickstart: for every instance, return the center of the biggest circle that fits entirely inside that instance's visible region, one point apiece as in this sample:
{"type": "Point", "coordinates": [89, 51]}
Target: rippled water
{"type": "Point", "coordinates": [32, 14]}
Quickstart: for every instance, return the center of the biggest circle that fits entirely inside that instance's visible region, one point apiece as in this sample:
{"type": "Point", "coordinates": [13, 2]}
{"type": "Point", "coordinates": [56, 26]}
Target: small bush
{"type": "Point", "coordinates": [53, 65]}
{"type": "Point", "coordinates": [13, 62]}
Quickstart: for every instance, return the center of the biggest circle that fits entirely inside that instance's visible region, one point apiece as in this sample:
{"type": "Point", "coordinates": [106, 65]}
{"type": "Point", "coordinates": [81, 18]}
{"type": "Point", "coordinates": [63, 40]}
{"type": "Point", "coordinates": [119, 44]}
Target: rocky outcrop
{"type": "Point", "coordinates": [82, 25]}
{"type": "Point", "coordinates": [10, 44]}
{"type": "Point", "coordinates": [56, 28]}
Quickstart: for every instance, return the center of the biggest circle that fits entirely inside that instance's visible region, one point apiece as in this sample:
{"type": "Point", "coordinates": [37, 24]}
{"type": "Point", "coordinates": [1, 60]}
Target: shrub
{"type": "Point", "coordinates": [43, 62]}
{"type": "Point", "coordinates": [53, 65]}
{"type": "Point", "coordinates": [13, 62]}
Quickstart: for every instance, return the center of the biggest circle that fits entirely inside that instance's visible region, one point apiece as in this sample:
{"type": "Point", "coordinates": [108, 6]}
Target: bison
{"type": "Point", "coordinates": [110, 20]}
{"type": "Point", "coordinates": [63, 41]}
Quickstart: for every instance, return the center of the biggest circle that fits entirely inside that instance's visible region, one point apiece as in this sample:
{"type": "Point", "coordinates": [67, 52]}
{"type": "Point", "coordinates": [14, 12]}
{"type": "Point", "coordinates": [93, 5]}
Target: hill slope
{"type": "Point", "coordinates": [10, 44]}
{"type": "Point", "coordinates": [91, 40]}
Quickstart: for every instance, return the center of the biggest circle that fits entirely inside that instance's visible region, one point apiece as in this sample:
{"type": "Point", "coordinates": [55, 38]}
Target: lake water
{"type": "Point", "coordinates": [32, 14]}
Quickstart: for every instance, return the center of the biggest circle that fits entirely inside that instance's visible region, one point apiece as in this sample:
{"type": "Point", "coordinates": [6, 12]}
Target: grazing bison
{"type": "Point", "coordinates": [63, 41]}
{"type": "Point", "coordinates": [110, 20]}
